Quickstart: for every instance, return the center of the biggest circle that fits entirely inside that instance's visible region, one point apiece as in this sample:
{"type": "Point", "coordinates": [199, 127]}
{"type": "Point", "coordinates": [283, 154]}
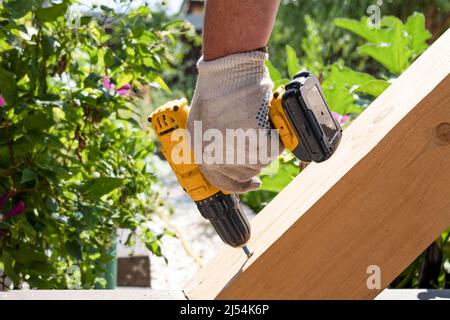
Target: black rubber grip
{"type": "Point", "coordinates": [227, 217]}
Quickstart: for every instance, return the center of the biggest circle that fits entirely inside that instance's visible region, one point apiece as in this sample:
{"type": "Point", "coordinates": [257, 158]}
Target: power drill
{"type": "Point", "coordinates": [305, 125]}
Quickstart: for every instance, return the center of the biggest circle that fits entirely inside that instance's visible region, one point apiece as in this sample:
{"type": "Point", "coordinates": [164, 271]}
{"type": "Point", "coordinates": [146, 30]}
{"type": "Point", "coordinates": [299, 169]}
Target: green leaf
{"type": "Point", "coordinates": [174, 24]}
{"type": "Point", "coordinates": [52, 204]}
{"type": "Point", "coordinates": [111, 60]}
{"type": "Point", "coordinates": [415, 26]}
{"type": "Point", "coordinates": [124, 79]}
{"type": "Point", "coordinates": [106, 8]}
{"type": "Point", "coordinates": [373, 87]}
{"type": "Point", "coordinates": [138, 27]}
{"type": "Point", "coordinates": [145, 11]}
{"type": "Point", "coordinates": [257, 200]}
{"type": "Point", "coordinates": [388, 55]}
{"type": "Point", "coordinates": [51, 13]}
{"type": "Point", "coordinates": [98, 187]}
{"type": "Point", "coordinates": [277, 182]}
{"type": "Point", "coordinates": [49, 45]}
{"type": "Point", "coordinates": [25, 254]}
{"type": "Point", "coordinates": [92, 81]}
{"type": "Point", "coordinates": [338, 86]}
{"type": "Point", "coordinates": [27, 175]}
{"type": "Point", "coordinates": [389, 45]}
{"type": "Point", "coordinates": [9, 264]}
{"type": "Point", "coordinates": [281, 82]}
{"type": "Point", "coordinates": [342, 102]}
{"type": "Point", "coordinates": [38, 121]}
{"type": "Point", "coordinates": [170, 234]}
{"type": "Point", "coordinates": [4, 45]}
{"type": "Point", "coordinates": [346, 76]}
{"type": "Point", "coordinates": [58, 114]}
{"type": "Point", "coordinates": [401, 52]}
{"type": "Point", "coordinates": [361, 28]}
{"type": "Point", "coordinates": [100, 282]}
{"type": "Point", "coordinates": [8, 86]}
{"type": "Point", "coordinates": [42, 269]}
{"type": "Point", "coordinates": [37, 283]}
{"type": "Point", "coordinates": [18, 8]}
{"type": "Point", "coordinates": [313, 47]}
{"type": "Point", "coordinates": [292, 61]}
{"type": "Point", "coordinates": [85, 20]}
{"type": "Point", "coordinates": [275, 74]}
{"type": "Point", "coordinates": [74, 249]}
{"type": "Point", "coordinates": [271, 169]}
{"type": "Point", "coordinates": [162, 84]}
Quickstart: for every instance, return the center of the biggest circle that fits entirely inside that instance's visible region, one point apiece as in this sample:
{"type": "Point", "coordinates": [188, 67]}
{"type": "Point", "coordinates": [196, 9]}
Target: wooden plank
{"type": "Point", "coordinates": [380, 200]}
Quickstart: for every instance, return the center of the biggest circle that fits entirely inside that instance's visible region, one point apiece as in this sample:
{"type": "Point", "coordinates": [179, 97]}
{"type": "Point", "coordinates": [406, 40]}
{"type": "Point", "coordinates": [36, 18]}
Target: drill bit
{"type": "Point", "coordinates": [247, 251]}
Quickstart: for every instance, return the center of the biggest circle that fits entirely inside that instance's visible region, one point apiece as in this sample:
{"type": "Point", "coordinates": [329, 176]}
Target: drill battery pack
{"type": "Point", "coordinates": [305, 123]}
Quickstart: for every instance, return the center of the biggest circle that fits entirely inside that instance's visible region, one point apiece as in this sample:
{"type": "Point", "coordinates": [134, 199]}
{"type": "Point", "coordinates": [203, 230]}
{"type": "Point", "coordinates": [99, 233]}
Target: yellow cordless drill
{"type": "Point", "coordinates": [305, 125]}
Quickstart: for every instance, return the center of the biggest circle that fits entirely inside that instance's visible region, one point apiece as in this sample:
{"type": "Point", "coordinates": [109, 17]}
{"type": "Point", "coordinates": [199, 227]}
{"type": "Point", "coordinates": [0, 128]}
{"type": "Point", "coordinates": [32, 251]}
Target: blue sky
{"type": "Point", "coordinates": [172, 5]}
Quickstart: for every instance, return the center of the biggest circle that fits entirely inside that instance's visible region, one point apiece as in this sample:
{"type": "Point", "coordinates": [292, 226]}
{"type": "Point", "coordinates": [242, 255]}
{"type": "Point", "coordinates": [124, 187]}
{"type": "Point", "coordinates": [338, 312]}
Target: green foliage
{"type": "Point", "coordinates": [395, 45]}
{"type": "Point", "coordinates": [339, 89]}
{"type": "Point", "coordinates": [429, 271]}
{"type": "Point", "coordinates": [292, 61]}
{"type": "Point", "coordinates": [275, 75]}
{"type": "Point", "coordinates": [291, 28]}
{"type": "Point", "coordinates": [71, 147]}
{"type": "Point", "coordinates": [181, 75]}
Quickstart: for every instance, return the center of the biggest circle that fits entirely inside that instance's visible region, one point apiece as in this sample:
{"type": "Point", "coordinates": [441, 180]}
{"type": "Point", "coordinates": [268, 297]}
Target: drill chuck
{"type": "Point", "coordinates": [227, 217]}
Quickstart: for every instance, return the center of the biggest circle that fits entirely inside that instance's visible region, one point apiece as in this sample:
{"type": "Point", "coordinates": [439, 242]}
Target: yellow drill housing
{"type": "Point", "coordinates": [173, 116]}
{"type": "Point", "coordinates": [280, 121]}
{"type": "Point", "coordinates": [166, 120]}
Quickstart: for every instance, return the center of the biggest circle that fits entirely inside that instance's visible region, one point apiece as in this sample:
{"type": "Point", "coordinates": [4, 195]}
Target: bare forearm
{"type": "Point", "coordinates": [234, 26]}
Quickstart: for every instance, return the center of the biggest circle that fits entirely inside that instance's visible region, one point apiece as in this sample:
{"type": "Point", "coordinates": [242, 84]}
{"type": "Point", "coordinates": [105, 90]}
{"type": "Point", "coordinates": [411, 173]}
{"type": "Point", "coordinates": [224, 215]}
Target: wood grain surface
{"type": "Point", "coordinates": [379, 201]}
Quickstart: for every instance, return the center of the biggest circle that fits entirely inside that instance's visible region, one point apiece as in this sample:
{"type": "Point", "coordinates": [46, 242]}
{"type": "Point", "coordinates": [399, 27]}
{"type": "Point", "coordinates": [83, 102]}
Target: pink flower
{"type": "Point", "coordinates": [18, 209]}
{"type": "Point", "coordinates": [342, 119]}
{"type": "Point", "coordinates": [124, 91]}
{"type": "Point", "coordinates": [5, 198]}
{"type": "Point", "coordinates": [107, 83]}
{"type": "Point", "coordinates": [2, 102]}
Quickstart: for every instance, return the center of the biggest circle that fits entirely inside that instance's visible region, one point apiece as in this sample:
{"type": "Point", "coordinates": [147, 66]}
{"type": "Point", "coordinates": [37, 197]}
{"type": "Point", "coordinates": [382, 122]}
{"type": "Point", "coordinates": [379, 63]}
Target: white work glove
{"type": "Point", "coordinates": [233, 92]}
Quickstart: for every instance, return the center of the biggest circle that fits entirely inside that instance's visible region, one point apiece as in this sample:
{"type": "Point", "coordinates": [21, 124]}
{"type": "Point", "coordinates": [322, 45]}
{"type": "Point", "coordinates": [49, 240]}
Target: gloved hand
{"type": "Point", "coordinates": [233, 92]}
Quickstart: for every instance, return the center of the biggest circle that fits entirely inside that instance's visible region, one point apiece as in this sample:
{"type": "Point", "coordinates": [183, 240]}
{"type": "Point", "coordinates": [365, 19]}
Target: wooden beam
{"type": "Point", "coordinates": [380, 200]}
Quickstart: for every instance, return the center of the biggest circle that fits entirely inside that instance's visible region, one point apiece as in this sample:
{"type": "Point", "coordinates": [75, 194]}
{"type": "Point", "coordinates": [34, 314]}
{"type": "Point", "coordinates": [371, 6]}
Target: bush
{"type": "Point", "coordinates": [75, 164]}
{"type": "Point", "coordinates": [292, 26]}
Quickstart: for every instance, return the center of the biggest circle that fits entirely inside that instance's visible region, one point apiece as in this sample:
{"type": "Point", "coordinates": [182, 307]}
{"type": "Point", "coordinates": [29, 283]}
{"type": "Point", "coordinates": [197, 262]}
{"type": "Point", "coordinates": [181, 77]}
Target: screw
{"type": "Point", "coordinates": [247, 251]}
